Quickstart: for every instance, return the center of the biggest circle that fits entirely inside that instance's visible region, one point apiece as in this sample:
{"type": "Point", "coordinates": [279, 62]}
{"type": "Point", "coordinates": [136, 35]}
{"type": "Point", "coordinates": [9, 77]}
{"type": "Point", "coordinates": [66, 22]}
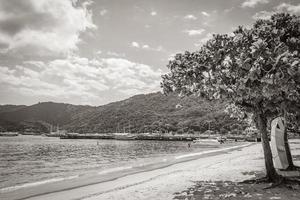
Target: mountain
{"type": "Point", "coordinates": [42, 114]}
{"type": "Point", "coordinates": [10, 108]}
{"type": "Point", "coordinates": [140, 113]}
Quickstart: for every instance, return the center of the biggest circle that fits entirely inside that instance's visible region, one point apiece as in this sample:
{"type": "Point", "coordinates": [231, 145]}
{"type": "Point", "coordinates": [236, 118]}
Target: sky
{"type": "Point", "coordinates": [95, 52]}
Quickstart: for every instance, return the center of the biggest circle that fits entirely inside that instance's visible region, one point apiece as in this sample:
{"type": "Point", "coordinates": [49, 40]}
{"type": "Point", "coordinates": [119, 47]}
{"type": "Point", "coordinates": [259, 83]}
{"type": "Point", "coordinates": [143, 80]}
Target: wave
{"type": "Point", "coordinates": [115, 169]}
{"type": "Point", "coordinates": [210, 151]}
{"type": "Point", "coordinates": [16, 187]}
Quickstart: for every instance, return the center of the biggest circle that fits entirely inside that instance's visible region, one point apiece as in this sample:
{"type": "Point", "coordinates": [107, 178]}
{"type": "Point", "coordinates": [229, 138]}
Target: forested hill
{"type": "Point", "coordinates": [140, 113]}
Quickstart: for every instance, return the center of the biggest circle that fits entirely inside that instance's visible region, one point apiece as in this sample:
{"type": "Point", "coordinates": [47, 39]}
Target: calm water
{"type": "Point", "coordinates": [29, 159]}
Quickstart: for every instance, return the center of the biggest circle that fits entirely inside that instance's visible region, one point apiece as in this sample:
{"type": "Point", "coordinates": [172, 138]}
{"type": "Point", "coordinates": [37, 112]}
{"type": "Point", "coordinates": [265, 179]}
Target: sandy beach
{"type": "Point", "coordinates": [157, 181]}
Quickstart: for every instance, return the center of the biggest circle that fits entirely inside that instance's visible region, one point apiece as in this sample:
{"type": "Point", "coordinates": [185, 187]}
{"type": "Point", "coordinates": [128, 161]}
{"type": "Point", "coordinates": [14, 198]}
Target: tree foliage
{"type": "Point", "coordinates": [257, 69]}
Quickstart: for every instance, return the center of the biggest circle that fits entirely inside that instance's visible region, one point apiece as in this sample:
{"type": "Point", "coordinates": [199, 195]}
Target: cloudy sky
{"type": "Point", "coordinates": [96, 52]}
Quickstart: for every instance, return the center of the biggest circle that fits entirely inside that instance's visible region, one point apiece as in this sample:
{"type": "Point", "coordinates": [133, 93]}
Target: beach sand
{"type": "Point", "coordinates": [180, 178]}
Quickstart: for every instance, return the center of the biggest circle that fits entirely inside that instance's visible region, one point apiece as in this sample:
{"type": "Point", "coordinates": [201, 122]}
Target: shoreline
{"type": "Point", "coordinates": [92, 179]}
{"type": "Point", "coordinates": [130, 137]}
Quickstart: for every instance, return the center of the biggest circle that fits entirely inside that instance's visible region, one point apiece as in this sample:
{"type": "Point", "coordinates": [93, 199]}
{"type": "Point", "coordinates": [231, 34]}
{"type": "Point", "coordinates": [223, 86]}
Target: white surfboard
{"type": "Point", "coordinates": [277, 144]}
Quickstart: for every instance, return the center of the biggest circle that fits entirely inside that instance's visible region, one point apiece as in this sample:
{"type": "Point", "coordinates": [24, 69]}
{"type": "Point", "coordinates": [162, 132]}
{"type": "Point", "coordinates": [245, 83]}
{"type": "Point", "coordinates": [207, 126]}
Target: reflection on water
{"type": "Point", "coordinates": [26, 159]}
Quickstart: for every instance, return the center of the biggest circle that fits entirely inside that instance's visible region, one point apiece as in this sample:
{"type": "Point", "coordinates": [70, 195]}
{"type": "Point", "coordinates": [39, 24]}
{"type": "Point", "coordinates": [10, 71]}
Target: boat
{"type": "Point", "coordinates": [86, 136]}
{"type": "Point", "coordinates": [56, 133]}
{"type": "Point", "coordinates": [206, 141]}
{"type": "Point", "coordinates": [9, 134]}
{"type": "Point", "coordinates": [124, 136]}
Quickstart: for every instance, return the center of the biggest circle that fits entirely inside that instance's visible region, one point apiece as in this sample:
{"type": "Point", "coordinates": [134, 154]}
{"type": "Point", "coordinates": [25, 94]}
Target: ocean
{"type": "Point", "coordinates": [27, 161]}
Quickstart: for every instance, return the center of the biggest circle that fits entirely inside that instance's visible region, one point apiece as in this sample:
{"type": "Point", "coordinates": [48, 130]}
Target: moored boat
{"type": "Point", "coordinates": [9, 134]}
{"type": "Point", "coordinates": [56, 133]}
{"type": "Point", "coordinates": [206, 141]}
{"type": "Point", "coordinates": [124, 136]}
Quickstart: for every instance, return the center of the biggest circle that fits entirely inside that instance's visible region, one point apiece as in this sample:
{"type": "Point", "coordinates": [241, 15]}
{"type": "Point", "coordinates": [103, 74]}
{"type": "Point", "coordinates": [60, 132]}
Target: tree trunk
{"type": "Point", "coordinates": [262, 127]}
{"type": "Point", "coordinates": [286, 142]}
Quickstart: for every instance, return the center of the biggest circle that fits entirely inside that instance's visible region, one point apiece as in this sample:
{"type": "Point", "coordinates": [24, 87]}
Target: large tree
{"type": "Point", "coordinates": [257, 69]}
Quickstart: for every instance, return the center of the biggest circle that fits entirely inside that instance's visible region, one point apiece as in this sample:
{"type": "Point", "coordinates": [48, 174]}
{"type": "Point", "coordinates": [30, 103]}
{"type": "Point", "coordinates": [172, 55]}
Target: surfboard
{"type": "Point", "coordinates": [277, 143]}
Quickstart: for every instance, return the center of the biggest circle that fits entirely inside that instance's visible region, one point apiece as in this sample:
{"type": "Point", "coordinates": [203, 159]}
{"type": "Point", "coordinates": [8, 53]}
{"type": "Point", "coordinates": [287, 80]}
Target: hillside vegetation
{"type": "Point", "coordinates": [153, 112]}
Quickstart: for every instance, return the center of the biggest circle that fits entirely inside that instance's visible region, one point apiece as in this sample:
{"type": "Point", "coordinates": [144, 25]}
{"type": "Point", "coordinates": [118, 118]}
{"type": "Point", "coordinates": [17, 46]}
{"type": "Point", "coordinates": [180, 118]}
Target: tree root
{"type": "Point", "coordinates": [276, 184]}
{"type": "Point", "coordinates": [290, 183]}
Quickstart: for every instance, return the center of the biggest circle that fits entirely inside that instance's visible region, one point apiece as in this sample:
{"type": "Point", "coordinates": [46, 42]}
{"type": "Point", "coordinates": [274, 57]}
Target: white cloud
{"type": "Point", "coordinates": [135, 44]}
{"type": "Point", "coordinates": [153, 13]}
{"type": "Point", "coordinates": [102, 54]}
{"type": "Point", "coordinates": [190, 17]}
{"type": "Point", "coordinates": [75, 77]}
{"type": "Point", "coordinates": [286, 7]}
{"type": "Point", "coordinates": [253, 3]}
{"type": "Point", "coordinates": [194, 32]}
{"type": "Point", "coordinates": [205, 14]}
{"type": "Point", "coordinates": [103, 12]}
{"type": "Point", "coordinates": [263, 15]}
{"type": "Point", "coordinates": [44, 26]}
{"type": "Point", "coordinates": [147, 47]}
{"type": "Point", "coordinates": [115, 54]}
{"type": "Point", "coordinates": [283, 7]}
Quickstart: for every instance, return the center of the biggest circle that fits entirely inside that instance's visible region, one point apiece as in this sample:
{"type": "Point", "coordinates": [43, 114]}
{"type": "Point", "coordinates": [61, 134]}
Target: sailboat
{"type": "Point", "coordinates": [124, 135]}
{"type": "Point", "coordinates": [56, 133]}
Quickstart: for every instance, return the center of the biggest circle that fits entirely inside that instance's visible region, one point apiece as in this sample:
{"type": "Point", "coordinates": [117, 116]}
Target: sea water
{"type": "Point", "coordinates": [27, 161]}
